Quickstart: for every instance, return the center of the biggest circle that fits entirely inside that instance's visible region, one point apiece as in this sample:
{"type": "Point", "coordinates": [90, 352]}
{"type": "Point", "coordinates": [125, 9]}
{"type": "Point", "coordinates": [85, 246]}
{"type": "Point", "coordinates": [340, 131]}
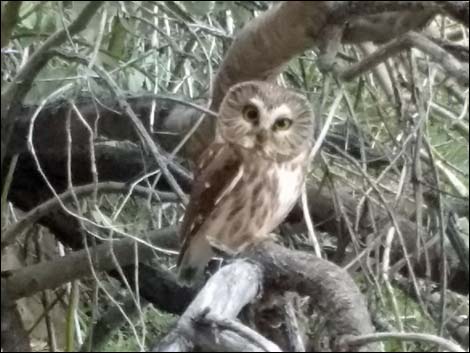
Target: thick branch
{"type": "Point", "coordinates": [224, 295]}
{"type": "Point", "coordinates": [269, 42]}
{"type": "Point", "coordinates": [14, 93]}
{"type": "Point", "coordinates": [331, 288]}
{"type": "Point", "coordinates": [29, 280]}
{"type": "Point", "coordinates": [55, 203]}
{"type": "Point", "coordinates": [349, 9]}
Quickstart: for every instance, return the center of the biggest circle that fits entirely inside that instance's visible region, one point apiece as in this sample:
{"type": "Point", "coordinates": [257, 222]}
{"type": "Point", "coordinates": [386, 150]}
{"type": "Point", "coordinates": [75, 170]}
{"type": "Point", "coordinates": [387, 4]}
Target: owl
{"type": "Point", "coordinates": [250, 177]}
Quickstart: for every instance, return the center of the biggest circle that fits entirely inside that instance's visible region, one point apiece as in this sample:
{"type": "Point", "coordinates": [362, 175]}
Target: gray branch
{"type": "Point", "coordinates": [275, 268]}
{"type": "Point", "coordinates": [412, 39]}
{"type": "Point", "coordinates": [208, 323]}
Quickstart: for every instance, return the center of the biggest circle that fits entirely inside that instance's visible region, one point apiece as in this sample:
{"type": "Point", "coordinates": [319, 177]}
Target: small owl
{"type": "Point", "coordinates": [250, 178]}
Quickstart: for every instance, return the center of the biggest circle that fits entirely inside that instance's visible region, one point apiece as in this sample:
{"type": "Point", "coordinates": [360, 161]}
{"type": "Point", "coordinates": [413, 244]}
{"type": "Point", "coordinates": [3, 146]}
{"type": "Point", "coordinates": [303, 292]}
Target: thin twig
{"type": "Point", "coordinates": [403, 336]}
{"type": "Point", "coordinates": [55, 202]}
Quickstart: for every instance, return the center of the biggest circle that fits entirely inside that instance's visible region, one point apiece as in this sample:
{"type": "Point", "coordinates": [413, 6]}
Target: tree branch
{"type": "Point", "coordinates": [14, 336]}
{"type": "Point", "coordinates": [403, 336]}
{"type": "Point", "coordinates": [330, 287]}
{"type": "Point", "coordinates": [412, 39]}
{"type": "Point", "coordinates": [52, 204]}
{"type": "Point", "coordinates": [223, 296]}
{"type": "Point", "coordinates": [9, 18]}
{"type": "Point", "coordinates": [14, 92]}
{"type": "Point", "coordinates": [29, 280]}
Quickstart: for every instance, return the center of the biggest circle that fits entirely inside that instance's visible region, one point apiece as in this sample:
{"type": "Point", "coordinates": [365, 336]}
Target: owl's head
{"type": "Point", "coordinates": [266, 118]}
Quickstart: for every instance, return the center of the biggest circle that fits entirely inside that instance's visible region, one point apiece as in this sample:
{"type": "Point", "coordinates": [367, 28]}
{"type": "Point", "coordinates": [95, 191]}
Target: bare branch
{"type": "Point", "coordinates": [54, 203]}
{"type": "Point", "coordinates": [412, 39]}
{"type": "Point", "coordinates": [245, 338]}
{"type": "Point", "coordinates": [224, 295]}
{"type": "Point", "coordinates": [348, 9]}
{"type": "Point", "coordinates": [404, 336]}
{"type": "Point", "coordinates": [15, 91]}
{"type": "Point", "coordinates": [269, 42]}
{"type": "Point", "coordinates": [331, 288]}
{"type": "Point", "coordinates": [28, 280]}
{"type": "Point", "coordinates": [142, 132]}
{"type": "Point", "coordinates": [9, 18]}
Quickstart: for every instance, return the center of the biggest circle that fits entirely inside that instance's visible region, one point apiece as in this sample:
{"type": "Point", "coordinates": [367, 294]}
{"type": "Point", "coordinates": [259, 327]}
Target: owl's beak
{"type": "Point", "coordinates": [261, 137]}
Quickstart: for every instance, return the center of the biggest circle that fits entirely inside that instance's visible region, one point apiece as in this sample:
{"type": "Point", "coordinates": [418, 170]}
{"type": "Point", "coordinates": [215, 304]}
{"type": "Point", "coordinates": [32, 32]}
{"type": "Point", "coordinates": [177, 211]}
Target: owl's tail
{"type": "Point", "coordinates": [193, 260]}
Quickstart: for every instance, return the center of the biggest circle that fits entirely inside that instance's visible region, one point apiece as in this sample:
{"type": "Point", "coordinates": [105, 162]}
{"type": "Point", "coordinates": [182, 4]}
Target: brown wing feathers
{"type": "Point", "coordinates": [217, 167]}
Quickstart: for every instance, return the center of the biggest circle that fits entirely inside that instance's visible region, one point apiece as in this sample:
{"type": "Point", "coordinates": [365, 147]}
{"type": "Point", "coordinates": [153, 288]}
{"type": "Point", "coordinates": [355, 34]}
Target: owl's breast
{"type": "Point", "coordinates": [251, 208]}
{"type": "Point", "coordinates": [290, 178]}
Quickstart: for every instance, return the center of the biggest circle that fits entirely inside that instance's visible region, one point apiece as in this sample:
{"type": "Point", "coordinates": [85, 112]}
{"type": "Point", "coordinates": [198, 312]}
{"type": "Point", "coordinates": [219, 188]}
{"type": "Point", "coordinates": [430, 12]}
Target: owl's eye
{"type": "Point", "coordinates": [250, 113]}
{"type": "Point", "coordinates": [282, 124]}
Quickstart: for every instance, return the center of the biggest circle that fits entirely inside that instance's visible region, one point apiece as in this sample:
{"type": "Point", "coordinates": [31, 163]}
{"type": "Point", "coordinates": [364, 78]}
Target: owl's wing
{"type": "Point", "coordinates": [218, 171]}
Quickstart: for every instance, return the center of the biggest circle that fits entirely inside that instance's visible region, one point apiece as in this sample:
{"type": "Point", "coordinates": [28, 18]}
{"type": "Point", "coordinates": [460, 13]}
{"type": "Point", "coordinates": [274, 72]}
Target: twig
{"type": "Point", "coordinates": [71, 314]}
{"type": "Point", "coordinates": [309, 223]}
{"type": "Point", "coordinates": [51, 335]}
{"type": "Point", "coordinates": [29, 280]}
{"type": "Point", "coordinates": [145, 137]}
{"type": "Point", "coordinates": [6, 189]}
{"type": "Point", "coordinates": [10, 16]}
{"type": "Point", "coordinates": [388, 286]}
{"type": "Point", "coordinates": [293, 329]}
{"type": "Point", "coordinates": [111, 320]}
{"type": "Point", "coordinates": [251, 336]}
{"type": "Point", "coordinates": [343, 11]}
{"type": "Point", "coordinates": [54, 203]}
{"type": "Point", "coordinates": [411, 39]}
{"type": "Point", "coordinates": [403, 336]}
{"type": "Point", "coordinates": [391, 215]}
{"type": "Point", "coordinates": [177, 100]}
{"type": "Point", "coordinates": [58, 297]}
{"type": "Point", "coordinates": [442, 238]}
{"type": "Point", "coordinates": [14, 92]}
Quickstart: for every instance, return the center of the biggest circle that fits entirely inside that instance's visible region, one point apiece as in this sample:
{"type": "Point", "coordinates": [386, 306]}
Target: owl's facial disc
{"type": "Point", "coordinates": [266, 119]}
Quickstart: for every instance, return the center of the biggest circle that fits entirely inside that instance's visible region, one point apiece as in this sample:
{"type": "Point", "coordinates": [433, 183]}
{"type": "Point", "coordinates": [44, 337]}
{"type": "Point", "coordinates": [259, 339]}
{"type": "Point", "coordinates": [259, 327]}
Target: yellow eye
{"type": "Point", "coordinates": [282, 124]}
{"type": "Point", "coordinates": [250, 113]}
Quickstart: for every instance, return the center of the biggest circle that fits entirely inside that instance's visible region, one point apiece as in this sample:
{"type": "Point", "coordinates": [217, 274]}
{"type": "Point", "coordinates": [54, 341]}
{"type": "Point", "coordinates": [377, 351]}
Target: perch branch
{"type": "Point", "coordinates": [330, 287]}
{"type": "Point", "coordinates": [224, 295]}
